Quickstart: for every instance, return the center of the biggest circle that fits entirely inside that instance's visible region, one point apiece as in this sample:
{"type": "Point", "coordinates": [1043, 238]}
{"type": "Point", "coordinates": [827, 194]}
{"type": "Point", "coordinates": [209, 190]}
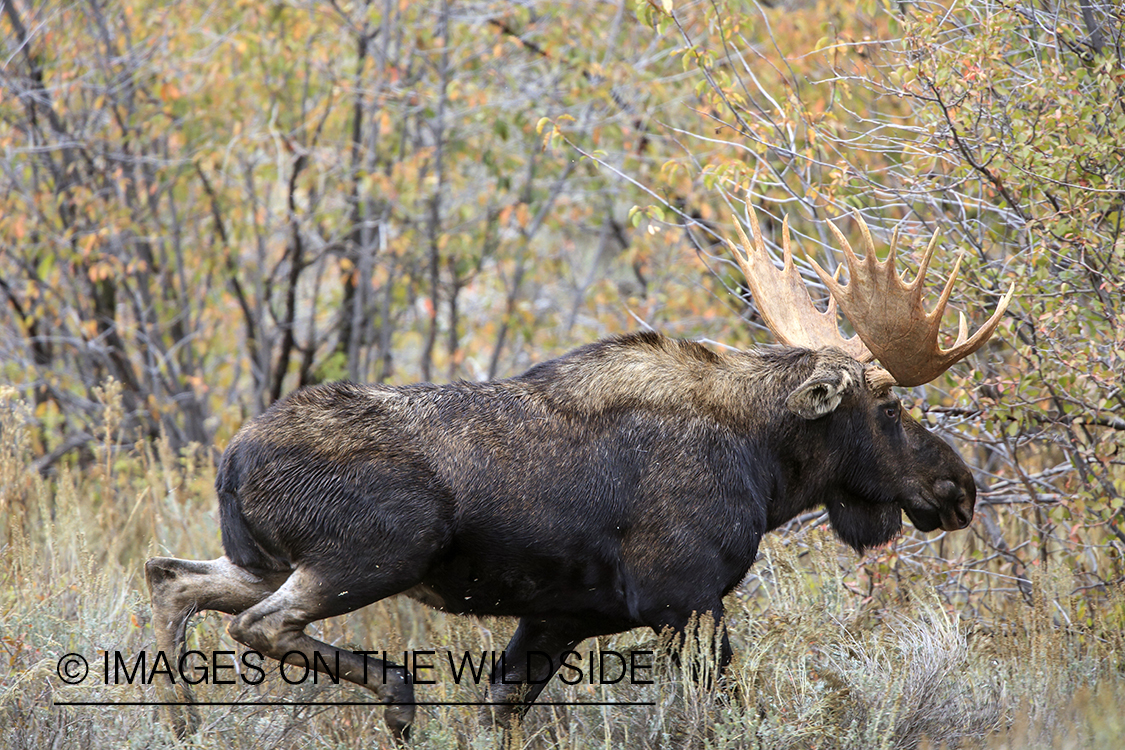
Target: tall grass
{"type": "Point", "coordinates": [823, 660]}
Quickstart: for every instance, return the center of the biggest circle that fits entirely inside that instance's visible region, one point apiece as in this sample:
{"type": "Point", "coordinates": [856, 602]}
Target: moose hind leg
{"type": "Point", "coordinates": [276, 627]}
{"type": "Point", "coordinates": [182, 588]}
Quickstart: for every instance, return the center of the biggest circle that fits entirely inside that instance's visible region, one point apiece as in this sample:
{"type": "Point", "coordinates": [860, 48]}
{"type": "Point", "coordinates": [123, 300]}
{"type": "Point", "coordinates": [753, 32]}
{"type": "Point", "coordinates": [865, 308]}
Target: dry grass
{"type": "Point", "coordinates": [817, 665]}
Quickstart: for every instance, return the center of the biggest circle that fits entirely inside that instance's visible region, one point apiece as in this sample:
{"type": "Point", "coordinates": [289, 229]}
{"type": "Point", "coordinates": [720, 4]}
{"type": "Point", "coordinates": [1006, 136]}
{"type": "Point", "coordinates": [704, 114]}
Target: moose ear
{"type": "Point", "coordinates": [819, 395]}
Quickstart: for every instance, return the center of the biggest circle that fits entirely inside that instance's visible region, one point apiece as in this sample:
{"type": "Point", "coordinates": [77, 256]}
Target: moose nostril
{"type": "Point", "coordinates": [965, 514]}
{"type": "Point", "coordinates": [956, 505]}
{"type": "Point", "coordinates": [947, 491]}
{"type": "Point", "coordinates": [965, 508]}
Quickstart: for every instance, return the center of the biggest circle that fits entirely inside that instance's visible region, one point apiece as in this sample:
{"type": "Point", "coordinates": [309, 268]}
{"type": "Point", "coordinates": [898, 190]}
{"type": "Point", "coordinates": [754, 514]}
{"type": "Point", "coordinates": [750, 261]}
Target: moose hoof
{"type": "Point", "coordinates": [184, 720]}
{"type": "Point", "coordinates": [503, 716]}
{"type": "Point", "coordinates": [399, 713]}
{"type": "Point", "coordinates": [399, 719]}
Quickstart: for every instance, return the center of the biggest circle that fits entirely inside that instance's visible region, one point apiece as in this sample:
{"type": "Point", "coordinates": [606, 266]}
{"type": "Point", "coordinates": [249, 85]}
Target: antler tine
{"type": "Point", "coordinates": [783, 299]}
{"type": "Point", "coordinates": [925, 264]}
{"type": "Point", "coordinates": [890, 317]}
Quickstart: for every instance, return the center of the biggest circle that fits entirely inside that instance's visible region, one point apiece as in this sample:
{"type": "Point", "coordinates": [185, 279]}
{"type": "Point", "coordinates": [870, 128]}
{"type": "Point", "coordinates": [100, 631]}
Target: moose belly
{"type": "Point", "coordinates": [528, 585]}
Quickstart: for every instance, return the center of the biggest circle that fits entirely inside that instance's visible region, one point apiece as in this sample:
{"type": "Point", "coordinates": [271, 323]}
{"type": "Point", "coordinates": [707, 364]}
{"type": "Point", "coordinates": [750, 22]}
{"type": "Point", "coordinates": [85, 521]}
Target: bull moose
{"type": "Point", "coordinates": [625, 484]}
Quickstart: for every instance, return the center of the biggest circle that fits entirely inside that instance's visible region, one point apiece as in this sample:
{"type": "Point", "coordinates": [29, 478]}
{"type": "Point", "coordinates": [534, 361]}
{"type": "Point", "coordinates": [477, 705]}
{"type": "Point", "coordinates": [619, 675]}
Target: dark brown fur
{"type": "Point", "coordinates": [627, 483]}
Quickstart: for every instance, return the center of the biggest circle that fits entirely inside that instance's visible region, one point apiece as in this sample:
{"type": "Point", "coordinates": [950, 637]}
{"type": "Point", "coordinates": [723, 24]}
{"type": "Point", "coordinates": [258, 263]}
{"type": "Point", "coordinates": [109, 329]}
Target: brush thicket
{"type": "Point", "coordinates": [830, 651]}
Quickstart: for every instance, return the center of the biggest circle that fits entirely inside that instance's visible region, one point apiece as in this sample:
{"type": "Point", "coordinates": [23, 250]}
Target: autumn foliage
{"type": "Point", "coordinates": [204, 206]}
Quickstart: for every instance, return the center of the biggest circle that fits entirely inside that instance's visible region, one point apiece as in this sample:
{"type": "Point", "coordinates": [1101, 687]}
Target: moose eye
{"type": "Point", "coordinates": [891, 412]}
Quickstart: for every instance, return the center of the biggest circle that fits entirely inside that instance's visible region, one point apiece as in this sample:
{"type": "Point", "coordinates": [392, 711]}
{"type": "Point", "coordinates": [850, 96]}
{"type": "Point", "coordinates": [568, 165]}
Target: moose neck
{"type": "Point", "coordinates": [743, 393]}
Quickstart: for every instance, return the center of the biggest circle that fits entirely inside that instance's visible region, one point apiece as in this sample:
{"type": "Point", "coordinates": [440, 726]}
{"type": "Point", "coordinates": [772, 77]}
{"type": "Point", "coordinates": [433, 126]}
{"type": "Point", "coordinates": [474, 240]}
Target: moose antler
{"type": "Point", "coordinates": [886, 312]}
{"type": "Point", "coordinates": [783, 299]}
{"type": "Point", "coordinates": [889, 316]}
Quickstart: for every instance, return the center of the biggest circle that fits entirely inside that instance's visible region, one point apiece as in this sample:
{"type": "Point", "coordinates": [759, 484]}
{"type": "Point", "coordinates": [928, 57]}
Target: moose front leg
{"type": "Point", "coordinates": [523, 672]}
{"type": "Point", "coordinates": [182, 588]}
{"type": "Point", "coordinates": [699, 641]}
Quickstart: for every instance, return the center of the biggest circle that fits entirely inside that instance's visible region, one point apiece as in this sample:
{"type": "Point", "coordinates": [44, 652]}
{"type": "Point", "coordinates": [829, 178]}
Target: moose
{"type": "Point", "coordinates": [625, 484]}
